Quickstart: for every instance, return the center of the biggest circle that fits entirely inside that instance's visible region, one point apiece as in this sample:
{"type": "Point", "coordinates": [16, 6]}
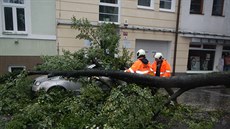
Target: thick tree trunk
{"type": "Point", "coordinates": [183, 82]}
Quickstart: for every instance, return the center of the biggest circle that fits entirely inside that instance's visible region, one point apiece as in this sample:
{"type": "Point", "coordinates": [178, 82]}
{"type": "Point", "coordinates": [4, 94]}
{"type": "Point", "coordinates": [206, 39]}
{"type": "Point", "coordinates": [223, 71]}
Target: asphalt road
{"type": "Point", "coordinates": [207, 98]}
{"type": "Point", "coordinates": [210, 99]}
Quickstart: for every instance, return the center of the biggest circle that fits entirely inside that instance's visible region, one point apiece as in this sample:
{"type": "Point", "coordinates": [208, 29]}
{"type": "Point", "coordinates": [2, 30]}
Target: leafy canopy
{"type": "Point", "coordinates": [104, 48]}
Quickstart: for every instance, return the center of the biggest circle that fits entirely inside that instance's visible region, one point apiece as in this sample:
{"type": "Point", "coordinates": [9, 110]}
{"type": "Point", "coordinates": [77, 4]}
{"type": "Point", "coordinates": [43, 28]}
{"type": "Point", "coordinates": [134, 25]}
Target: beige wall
{"type": "Point", "coordinates": [128, 11]}
{"type": "Point", "coordinates": [182, 54]}
{"type": "Point", "coordinates": [146, 17]}
{"type": "Point", "coordinates": [79, 8]}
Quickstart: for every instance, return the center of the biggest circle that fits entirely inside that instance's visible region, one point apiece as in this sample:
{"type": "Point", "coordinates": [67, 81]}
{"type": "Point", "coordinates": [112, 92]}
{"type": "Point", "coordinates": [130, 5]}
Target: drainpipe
{"type": "Point", "coordinates": [59, 17]}
{"type": "Point", "coordinates": [176, 37]}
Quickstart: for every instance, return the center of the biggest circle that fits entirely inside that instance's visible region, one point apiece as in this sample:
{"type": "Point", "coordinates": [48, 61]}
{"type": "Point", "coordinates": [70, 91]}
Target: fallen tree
{"type": "Point", "coordinates": [184, 83]}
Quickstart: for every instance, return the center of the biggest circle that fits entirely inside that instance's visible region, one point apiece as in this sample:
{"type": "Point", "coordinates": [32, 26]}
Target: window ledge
{"type": "Point", "coordinates": [116, 23]}
{"type": "Point", "coordinates": [14, 33]}
{"type": "Point", "coordinates": [144, 7]}
{"type": "Point", "coordinates": [195, 72]}
{"type": "Point", "coordinates": [218, 15]}
{"type": "Point", "coordinates": [167, 10]}
{"type": "Point", "coordinates": [197, 13]}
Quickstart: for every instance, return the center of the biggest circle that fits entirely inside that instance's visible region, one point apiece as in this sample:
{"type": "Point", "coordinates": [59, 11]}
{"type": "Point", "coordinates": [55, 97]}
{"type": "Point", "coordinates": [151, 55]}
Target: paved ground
{"type": "Point", "coordinates": [210, 99]}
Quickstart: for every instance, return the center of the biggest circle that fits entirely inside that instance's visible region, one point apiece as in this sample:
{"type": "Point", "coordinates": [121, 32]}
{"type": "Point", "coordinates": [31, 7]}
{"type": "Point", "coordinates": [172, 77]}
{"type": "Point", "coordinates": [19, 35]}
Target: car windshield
{"type": "Point", "coordinates": [56, 77]}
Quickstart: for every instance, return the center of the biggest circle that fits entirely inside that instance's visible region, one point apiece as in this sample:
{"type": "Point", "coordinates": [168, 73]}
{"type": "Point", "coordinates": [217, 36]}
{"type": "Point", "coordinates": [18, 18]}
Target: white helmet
{"type": "Point", "coordinates": [158, 55]}
{"type": "Point", "coordinates": [140, 52]}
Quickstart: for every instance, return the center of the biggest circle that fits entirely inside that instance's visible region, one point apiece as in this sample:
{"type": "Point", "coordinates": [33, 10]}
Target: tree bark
{"type": "Point", "coordinates": [183, 82]}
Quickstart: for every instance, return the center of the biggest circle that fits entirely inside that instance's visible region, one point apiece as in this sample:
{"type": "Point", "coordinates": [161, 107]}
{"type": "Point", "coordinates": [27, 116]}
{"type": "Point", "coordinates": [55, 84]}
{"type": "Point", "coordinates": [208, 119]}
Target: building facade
{"type": "Point", "coordinates": [27, 31]}
{"type": "Point", "coordinates": [146, 24]}
{"type": "Point", "coordinates": [207, 24]}
{"type": "Point", "coordinates": [193, 35]}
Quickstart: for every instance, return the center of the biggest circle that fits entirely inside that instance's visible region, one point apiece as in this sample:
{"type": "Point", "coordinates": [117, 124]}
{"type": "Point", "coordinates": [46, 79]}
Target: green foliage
{"type": "Point", "coordinates": [86, 112]}
{"type": "Point", "coordinates": [5, 77]}
{"type": "Point", "coordinates": [104, 36]}
{"type": "Point", "coordinates": [192, 118]}
{"type": "Point", "coordinates": [125, 107]}
{"type": "Point", "coordinates": [202, 120]}
{"type": "Point", "coordinates": [104, 40]}
{"type": "Point", "coordinates": [66, 62]}
{"type": "Point", "coordinates": [62, 110]}
{"type": "Point", "coordinates": [15, 94]}
{"type": "Point", "coordinates": [104, 48]}
{"type": "Point", "coordinates": [44, 112]}
{"type": "Point", "coordinates": [130, 107]}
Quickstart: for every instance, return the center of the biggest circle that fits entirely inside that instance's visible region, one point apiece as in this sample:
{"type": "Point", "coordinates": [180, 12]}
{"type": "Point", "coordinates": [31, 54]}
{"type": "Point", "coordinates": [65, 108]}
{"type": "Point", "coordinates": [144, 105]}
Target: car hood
{"type": "Point", "coordinates": [45, 78]}
{"type": "Point", "coordinates": [42, 78]}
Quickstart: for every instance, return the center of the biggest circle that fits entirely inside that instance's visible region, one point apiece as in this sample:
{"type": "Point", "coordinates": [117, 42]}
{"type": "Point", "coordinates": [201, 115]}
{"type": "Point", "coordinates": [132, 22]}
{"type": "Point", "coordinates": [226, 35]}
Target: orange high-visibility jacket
{"type": "Point", "coordinates": [141, 66]}
{"type": "Point", "coordinates": [165, 70]}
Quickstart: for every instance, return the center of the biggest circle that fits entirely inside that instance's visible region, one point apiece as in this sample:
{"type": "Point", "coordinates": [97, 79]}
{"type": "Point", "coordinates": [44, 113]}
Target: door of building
{"type": "Point", "coordinates": [152, 46]}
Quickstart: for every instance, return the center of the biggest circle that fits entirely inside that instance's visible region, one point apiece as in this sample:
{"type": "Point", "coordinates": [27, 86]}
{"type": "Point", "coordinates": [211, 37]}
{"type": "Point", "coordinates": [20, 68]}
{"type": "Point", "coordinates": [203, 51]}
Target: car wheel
{"type": "Point", "coordinates": [56, 89]}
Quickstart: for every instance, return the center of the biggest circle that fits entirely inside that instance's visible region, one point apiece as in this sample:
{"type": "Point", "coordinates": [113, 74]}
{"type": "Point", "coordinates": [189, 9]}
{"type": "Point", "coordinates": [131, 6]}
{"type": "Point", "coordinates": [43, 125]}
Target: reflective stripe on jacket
{"type": "Point", "coordinates": [140, 68]}
{"type": "Point", "coordinates": [165, 70]}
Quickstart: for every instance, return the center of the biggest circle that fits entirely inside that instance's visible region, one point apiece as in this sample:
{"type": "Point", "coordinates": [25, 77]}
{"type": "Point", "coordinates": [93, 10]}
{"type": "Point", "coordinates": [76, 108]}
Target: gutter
{"type": "Point", "coordinates": [155, 29]}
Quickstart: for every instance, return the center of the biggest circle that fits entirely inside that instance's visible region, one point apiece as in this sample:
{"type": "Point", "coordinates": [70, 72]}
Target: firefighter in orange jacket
{"type": "Point", "coordinates": [141, 65]}
{"type": "Point", "coordinates": [160, 66]}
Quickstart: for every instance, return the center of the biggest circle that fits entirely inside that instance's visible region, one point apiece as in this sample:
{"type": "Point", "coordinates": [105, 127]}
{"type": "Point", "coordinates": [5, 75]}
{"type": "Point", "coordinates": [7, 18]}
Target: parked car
{"type": "Point", "coordinates": [62, 83]}
{"type": "Point", "coordinates": [56, 82]}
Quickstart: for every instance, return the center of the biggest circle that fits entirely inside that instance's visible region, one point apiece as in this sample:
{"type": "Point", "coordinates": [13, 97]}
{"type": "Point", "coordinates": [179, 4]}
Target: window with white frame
{"type": "Point", "coordinates": [167, 5]}
{"type": "Point", "coordinates": [109, 11]}
{"type": "Point", "coordinates": [14, 16]}
{"type": "Point", "coordinates": [148, 4]}
{"type": "Point", "coordinates": [16, 68]}
{"type": "Point", "coordinates": [201, 57]}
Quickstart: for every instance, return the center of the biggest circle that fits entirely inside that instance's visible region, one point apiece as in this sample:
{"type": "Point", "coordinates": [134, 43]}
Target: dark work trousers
{"type": "Point", "coordinates": [154, 90]}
